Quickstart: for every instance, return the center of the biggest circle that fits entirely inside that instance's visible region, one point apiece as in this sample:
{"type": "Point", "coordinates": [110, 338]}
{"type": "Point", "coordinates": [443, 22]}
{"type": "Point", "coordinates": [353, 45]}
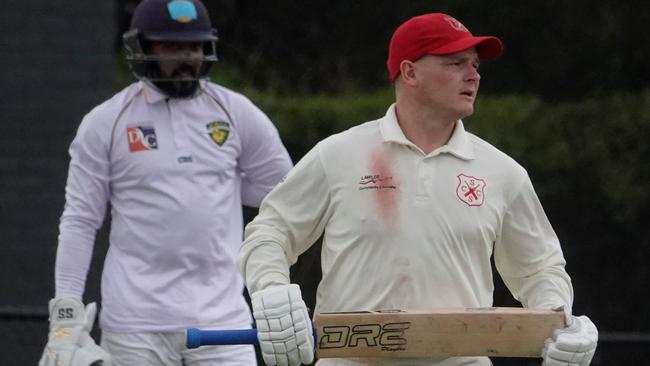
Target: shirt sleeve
{"type": "Point", "coordinates": [86, 197]}
{"type": "Point", "coordinates": [528, 255]}
{"type": "Point", "coordinates": [291, 218]}
{"type": "Point", "coordinates": [264, 161]}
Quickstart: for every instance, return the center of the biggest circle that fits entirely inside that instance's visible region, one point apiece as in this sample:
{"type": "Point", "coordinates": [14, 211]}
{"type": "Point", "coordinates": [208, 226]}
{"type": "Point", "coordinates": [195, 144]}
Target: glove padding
{"type": "Point", "coordinates": [574, 345]}
{"type": "Point", "coordinates": [69, 342]}
{"type": "Point", "coordinates": [284, 329]}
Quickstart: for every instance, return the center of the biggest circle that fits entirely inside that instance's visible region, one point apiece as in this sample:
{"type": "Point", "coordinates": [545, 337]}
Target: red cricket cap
{"type": "Point", "coordinates": [436, 34]}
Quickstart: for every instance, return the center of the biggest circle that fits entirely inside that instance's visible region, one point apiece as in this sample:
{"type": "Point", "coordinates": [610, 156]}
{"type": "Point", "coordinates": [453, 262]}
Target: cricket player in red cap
{"type": "Point", "coordinates": [411, 207]}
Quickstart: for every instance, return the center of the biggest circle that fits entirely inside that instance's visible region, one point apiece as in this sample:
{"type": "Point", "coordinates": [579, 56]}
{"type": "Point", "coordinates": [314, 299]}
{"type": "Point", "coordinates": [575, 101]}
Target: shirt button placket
{"type": "Point", "coordinates": [179, 129]}
{"type": "Point", "coordinates": [424, 180]}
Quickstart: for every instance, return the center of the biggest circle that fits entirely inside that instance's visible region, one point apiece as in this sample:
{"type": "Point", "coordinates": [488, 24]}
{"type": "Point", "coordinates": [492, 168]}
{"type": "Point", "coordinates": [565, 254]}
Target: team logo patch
{"type": "Point", "coordinates": [182, 11]}
{"type": "Point", "coordinates": [141, 138]}
{"type": "Point", "coordinates": [455, 24]}
{"type": "Point", "coordinates": [218, 131]}
{"type": "Point", "coordinates": [470, 190]}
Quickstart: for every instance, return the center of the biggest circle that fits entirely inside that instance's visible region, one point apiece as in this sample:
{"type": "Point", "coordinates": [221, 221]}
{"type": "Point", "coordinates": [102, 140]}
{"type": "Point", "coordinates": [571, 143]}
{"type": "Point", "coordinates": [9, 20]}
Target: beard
{"type": "Point", "coordinates": [176, 85]}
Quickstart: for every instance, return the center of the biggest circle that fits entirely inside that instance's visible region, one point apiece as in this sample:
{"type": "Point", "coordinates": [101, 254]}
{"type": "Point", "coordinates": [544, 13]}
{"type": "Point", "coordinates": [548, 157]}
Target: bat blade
{"type": "Point", "coordinates": [439, 333]}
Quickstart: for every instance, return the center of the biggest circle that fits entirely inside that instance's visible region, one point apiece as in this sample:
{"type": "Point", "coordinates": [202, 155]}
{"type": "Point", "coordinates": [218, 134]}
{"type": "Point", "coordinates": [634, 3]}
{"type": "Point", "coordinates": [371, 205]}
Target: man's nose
{"type": "Point", "coordinates": [473, 74]}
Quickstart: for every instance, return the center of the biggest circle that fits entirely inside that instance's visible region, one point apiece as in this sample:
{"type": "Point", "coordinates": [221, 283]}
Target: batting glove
{"type": "Point", "coordinates": [574, 345]}
{"type": "Point", "coordinates": [69, 342]}
{"type": "Point", "coordinates": [284, 329]}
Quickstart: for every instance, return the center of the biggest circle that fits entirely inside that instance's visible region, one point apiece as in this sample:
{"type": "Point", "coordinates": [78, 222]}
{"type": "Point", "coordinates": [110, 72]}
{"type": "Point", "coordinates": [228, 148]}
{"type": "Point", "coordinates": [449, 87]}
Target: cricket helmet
{"type": "Point", "coordinates": [168, 21]}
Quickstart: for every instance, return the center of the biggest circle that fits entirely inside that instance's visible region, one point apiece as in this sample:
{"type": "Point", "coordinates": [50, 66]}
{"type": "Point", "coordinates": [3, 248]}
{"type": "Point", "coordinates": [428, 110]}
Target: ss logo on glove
{"type": "Point", "coordinates": [66, 313]}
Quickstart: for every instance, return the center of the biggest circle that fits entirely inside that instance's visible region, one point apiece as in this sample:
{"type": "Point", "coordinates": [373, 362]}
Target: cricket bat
{"type": "Point", "coordinates": [437, 333]}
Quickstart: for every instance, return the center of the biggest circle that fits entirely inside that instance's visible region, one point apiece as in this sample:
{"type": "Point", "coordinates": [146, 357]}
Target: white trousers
{"type": "Point", "coordinates": [168, 349]}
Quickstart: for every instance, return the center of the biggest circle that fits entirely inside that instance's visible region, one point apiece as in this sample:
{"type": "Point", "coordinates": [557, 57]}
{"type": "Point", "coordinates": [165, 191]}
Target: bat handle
{"type": "Point", "coordinates": [197, 337]}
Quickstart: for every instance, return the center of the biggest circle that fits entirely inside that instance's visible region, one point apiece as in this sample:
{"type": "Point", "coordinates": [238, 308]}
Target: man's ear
{"type": "Point", "coordinates": [407, 72]}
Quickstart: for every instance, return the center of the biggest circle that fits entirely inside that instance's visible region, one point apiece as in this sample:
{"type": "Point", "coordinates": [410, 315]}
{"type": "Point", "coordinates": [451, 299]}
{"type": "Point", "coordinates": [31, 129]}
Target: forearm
{"type": "Point", "coordinates": [528, 254]}
{"type": "Point", "coordinates": [73, 257]}
{"type": "Point", "coordinates": [290, 220]}
{"type": "Point", "coordinates": [263, 266]}
{"type": "Point", "coordinates": [86, 198]}
{"type": "Point", "coordinates": [550, 288]}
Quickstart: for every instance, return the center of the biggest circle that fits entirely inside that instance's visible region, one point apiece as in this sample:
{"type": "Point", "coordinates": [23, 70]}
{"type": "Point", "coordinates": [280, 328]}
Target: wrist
{"type": "Point", "coordinates": [66, 311]}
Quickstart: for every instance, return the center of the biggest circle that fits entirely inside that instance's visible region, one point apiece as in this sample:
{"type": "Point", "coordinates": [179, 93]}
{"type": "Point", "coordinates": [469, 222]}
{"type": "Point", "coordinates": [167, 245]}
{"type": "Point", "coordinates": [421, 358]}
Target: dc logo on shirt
{"type": "Point", "coordinates": [141, 138]}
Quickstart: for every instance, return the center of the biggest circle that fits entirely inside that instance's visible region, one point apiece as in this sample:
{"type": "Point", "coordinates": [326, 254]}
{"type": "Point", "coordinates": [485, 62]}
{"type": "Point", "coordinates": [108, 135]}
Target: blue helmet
{"type": "Point", "coordinates": [168, 21]}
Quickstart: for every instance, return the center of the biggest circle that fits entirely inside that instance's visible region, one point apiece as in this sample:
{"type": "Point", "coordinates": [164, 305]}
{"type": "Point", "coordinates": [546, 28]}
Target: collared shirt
{"type": "Point", "coordinates": [176, 173]}
{"type": "Point", "coordinates": [408, 230]}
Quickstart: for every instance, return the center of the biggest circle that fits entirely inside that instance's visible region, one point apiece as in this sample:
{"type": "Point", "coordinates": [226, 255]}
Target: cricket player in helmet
{"type": "Point", "coordinates": [175, 157]}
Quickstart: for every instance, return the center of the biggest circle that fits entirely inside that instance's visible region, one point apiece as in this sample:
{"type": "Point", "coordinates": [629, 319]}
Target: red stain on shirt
{"type": "Point", "coordinates": [386, 193]}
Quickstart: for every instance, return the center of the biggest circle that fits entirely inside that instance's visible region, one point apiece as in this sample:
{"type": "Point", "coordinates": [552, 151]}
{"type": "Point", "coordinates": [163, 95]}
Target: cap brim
{"type": "Point", "coordinates": [487, 47]}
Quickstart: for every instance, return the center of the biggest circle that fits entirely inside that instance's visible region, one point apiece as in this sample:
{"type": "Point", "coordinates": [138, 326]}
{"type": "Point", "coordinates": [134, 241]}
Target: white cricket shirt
{"type": "Point", "coordinates": [175, 172]}
{"type": "Point", "coordinates": [405, 230]}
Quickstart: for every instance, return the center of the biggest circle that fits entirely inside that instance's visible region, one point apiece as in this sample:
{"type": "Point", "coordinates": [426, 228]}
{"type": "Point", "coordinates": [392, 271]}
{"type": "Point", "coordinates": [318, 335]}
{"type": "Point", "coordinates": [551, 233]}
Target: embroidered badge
{"type": "Point", "coordinates": [141, 138]}
{"type": "Point", "coordinates": [218, 131]}
{"type": "Point", "coordinates": [376, 181]}
{"type": "Point", "coordinates": [455, 24]}
{"type": "Point", "coordinates": [470, 190]}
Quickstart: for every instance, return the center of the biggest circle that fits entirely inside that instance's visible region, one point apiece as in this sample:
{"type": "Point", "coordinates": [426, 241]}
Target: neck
{"type": "Point", "coordinates": [426, 130]}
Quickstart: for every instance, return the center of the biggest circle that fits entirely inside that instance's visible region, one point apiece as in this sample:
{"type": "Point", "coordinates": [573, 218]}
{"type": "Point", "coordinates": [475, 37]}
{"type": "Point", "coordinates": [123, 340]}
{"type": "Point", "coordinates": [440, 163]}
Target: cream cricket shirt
{"type": "Point", "coordinates": [407, 230]}
{"type": "Point", "coordinates": [176, 173]}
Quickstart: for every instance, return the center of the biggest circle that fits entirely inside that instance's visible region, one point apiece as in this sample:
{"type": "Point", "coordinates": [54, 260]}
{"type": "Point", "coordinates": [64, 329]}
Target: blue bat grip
{"type": "Point", "coordinates": [197, 337]}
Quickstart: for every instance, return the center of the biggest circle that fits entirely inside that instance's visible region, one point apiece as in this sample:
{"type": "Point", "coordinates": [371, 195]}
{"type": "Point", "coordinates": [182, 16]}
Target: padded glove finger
{"type": "Point", "coordinates": [69, 342]}
{"type": "Point", "coordinates": [573, 345]}
{"type": "Point", "coordinates": [283, 326]}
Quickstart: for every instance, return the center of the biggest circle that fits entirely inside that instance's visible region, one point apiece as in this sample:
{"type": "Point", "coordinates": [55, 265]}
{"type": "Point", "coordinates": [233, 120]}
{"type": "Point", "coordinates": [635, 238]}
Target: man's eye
{"type": "Point", "coordinates": [171, 48]}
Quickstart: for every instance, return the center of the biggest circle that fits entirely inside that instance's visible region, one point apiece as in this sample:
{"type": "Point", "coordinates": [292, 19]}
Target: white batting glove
{"type": "Point", "coordinates": [574, 345]}
{"type": "Point", "coordinates": [69, 342]}
{"type": "Point", "coordinates": [284, 329]}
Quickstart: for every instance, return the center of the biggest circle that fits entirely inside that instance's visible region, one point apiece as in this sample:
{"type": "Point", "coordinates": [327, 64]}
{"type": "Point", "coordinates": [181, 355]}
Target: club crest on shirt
{"type": "Point", "coordinates": [141, 138]}
{"type": "Point", "coordinates": [470, 190]}
{"type": "Point", "coordinates": [218, 131]}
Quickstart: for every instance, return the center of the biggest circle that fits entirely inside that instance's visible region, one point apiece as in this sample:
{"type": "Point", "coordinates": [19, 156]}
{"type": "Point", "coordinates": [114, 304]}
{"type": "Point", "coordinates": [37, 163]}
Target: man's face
{"type": "Point", "coordinates": [177, 73]}
{"type": "Point", "coordinates": [449, 83]}
{"type": "Point", "coordinates": [188, 57]}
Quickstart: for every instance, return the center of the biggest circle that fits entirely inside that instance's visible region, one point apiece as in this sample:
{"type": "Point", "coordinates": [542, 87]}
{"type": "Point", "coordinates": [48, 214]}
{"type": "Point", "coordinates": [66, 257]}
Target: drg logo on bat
{"type": "Point", "coordinates": [388, 337]}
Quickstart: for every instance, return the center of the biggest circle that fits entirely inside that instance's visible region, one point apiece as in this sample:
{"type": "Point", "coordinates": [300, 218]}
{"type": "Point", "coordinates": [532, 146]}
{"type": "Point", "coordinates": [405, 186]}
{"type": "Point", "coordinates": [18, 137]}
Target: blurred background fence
{"type": "Point", "coordinates": [570, 100]}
